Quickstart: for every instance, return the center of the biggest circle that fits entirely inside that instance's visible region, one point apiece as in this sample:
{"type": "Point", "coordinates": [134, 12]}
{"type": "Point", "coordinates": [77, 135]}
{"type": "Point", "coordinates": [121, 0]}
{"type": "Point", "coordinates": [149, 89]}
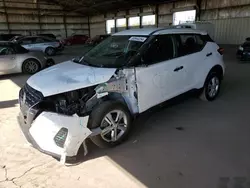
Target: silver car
{"type": "Point", "coordinates": [15, 59]}
{"type": "Point", "coordinates": [46, 45]}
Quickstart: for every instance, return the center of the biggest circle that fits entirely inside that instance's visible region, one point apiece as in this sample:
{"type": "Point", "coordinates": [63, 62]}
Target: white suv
{"type": "Point", "coordinates": [99, 94]}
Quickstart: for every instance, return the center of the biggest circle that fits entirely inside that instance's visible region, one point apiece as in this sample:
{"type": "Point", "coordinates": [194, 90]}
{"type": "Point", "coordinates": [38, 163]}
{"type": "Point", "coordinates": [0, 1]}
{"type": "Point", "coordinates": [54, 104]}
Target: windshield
{"type": "Point", "coordinates": [114, 52]}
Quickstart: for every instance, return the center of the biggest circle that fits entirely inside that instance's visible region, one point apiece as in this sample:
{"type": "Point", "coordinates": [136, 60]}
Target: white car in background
{"type": "Point", "coordinates": [99, 94]}
{"type": "Point", "coordinates": [16, 59]}
{"type": "Point", "coordinates": [46, 45]}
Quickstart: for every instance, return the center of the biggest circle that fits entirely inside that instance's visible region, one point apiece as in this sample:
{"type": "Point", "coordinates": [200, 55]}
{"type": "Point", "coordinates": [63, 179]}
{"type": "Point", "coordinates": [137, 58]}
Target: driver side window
{"type": "Point", "coordinates": [7, 51]}
{"type": "Point", "coordinates": [161, 49]}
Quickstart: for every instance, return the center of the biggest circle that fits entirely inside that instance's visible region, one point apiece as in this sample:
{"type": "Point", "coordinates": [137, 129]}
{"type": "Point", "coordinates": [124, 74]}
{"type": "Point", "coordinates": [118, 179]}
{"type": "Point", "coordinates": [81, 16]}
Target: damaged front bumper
{"type": "Point", "coordinates": [55, 134]}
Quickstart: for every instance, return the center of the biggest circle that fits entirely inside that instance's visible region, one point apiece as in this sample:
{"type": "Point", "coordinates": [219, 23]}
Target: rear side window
{"type": "Point", "coordinates": [26, 41]}
{"type": "Point", "coordinates": [39, 40]}
{"type": "Point", "coordinates": [189, 44]}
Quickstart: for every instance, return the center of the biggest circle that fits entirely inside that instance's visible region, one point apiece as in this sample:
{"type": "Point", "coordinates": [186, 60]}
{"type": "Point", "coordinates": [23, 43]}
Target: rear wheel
{"type": "Point", "coordinates": [50, 51]}
{"type": "Point", "coordinates": [31, 66]}
{"type": "Point", "coordinates": [114, 120]}
{"type": "Point", "coordinates": [211, 87]}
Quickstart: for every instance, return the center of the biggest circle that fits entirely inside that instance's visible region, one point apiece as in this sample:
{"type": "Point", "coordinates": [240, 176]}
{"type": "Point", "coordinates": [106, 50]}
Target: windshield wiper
{"type": "Point", "coordinates": [84, 62]}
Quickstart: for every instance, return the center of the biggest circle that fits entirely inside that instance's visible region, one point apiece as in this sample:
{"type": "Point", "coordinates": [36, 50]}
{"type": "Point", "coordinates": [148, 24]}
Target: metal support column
{"type": "Point", "coordinates": [141, 11]}
{"type": "Point", "coordinates": [115, 23]}
{"type": "Point", "coordinates": [198, 11]}
{"type": "Point", "coordinates": [65, 24]}
{"type": "Point", "coordinates": [39, 16]}
{"type": "Point", "coordinates": [127, 13]}
{"type": "Point", "coordinates": [157, 15]}
{"type": "Point", "coordinates": [6, 16]}
{"type": "Point", "coordinates": [89, 26]}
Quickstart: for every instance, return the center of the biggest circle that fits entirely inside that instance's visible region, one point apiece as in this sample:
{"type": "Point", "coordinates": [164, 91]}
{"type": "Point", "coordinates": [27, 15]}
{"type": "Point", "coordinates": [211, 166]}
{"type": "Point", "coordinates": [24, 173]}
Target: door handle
{"type": "Point", "coordinates": [209, 54]}
{"type": "Point", "coordinates": [178, 68]}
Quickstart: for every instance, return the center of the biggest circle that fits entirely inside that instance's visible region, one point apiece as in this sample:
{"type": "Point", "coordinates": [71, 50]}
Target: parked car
{"type": "Point", "coordinates": [7, 37]}
{"type": "Point", "coordinates": [97, 39]}
{"type": "Point", "coordinates": [15, 38]}
{"type": "Point", "coordinates": [99, 94]}
{"type": "Point", "coordinates": [76, 39]}
{"type": "Point", "coordinates": [37, 43]}
{"type": "Point", "coordinates": [48, 35]}
{"type": "Point", "coordinates": [15, 59]}
{"type": "Point", "coordinates": [243, 52]}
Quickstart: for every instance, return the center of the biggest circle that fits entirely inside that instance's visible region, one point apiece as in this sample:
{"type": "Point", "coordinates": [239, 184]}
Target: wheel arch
{"type": "Point", "coordinates": [216, 68]}
{"type": "Point", "coordinates": [120, 98]}
{"type": "Point", "coordinates": [46, 47]}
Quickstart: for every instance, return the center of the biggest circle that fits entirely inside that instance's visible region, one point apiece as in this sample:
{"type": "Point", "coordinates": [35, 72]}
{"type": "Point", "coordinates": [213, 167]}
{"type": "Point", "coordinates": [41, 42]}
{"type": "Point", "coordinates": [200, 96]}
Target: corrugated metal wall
{"type": "Point", "coordinates": [27, 17]}
{"type": "Point", "coordinates": [231, 31]}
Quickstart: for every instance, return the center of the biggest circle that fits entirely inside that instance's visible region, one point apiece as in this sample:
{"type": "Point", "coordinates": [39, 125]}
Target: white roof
{"type": "Point", "coordinates": [158, 31]}
{"type": "Point", "coordinates": [142, 31]}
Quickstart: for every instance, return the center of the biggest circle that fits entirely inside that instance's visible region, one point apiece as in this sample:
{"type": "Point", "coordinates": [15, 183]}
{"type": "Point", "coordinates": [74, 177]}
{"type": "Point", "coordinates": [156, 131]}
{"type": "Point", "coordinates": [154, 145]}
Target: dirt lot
{"type": "Point", "coordinates": [189, 143]}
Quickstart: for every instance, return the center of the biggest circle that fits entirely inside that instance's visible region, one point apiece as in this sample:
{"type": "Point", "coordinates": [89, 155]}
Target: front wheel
{"type": "Point", "coordinates": [31, 66]}
{"type": "Point", "coordinates": [114, 119]}
{"type": "Point", "coordinates": [211, 87]}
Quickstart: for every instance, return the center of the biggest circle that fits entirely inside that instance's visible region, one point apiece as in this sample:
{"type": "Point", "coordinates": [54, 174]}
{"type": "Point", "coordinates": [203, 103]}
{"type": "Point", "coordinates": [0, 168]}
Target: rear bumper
{"type": "Point", "coordinates": [243, 55]}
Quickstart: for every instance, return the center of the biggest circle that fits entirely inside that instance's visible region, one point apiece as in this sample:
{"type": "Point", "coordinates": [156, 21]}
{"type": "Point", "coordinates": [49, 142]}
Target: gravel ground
{"type": "Point", "coordinates": [187, 143]}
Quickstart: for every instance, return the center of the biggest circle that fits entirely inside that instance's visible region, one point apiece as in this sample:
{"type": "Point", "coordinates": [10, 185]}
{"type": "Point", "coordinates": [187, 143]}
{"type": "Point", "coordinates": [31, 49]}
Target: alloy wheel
{"type": "Point", "coordinates": [114, 125]}
{"type": "Point", "coordinates": [213, 86]}
{"type": "Point", "coordinates": [31, 66]}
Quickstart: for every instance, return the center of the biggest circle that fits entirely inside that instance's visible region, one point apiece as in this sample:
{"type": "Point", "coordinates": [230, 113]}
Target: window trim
{"type": "Point", "coordinates": [178, 37]}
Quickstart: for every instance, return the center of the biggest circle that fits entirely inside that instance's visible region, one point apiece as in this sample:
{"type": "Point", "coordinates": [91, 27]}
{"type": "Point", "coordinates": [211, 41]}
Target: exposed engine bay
{"type": "Point", "coordinates": [69, 103]}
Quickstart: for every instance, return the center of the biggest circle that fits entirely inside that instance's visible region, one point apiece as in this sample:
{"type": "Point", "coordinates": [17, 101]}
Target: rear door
{"type": "Point", "coordinates": [7, 59]}
{"type": "Point", "coordinates": [27, 42]}
{"type": "Point", "coordinates": [190, 50]}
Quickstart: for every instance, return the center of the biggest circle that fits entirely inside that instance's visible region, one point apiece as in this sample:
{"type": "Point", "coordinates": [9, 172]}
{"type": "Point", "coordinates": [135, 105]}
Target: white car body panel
{"type": "Point", "coordinates": [68, 76]}
{"type": "Point", "coordinates": [140, 87]}
{"type": "Point", "coordinates": [47, 125]}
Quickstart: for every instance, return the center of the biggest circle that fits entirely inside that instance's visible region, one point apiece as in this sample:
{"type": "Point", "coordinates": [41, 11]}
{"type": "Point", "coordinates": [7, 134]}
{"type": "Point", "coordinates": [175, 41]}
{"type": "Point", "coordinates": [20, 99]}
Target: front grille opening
{"type": "Point", "coordinates": [32, 96]}
{"type": "Point", "coordinates": [60, 137]}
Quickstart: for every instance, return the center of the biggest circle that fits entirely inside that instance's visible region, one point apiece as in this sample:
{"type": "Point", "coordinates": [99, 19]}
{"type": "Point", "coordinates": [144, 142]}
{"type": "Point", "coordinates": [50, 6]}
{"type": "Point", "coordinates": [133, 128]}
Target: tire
{"type": "Point", "coordinates": [31, 66]}
{"type": "Point", "coordinates": [100, 117]}
{"type": "Point", "coordinates": [211, 87]}
{"type": "Point", "coordinates": [50, 51]}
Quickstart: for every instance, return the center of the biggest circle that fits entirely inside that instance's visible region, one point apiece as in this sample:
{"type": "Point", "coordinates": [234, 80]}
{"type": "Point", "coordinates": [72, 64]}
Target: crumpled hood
{"type": "Point", "coordinates": [68, 76]}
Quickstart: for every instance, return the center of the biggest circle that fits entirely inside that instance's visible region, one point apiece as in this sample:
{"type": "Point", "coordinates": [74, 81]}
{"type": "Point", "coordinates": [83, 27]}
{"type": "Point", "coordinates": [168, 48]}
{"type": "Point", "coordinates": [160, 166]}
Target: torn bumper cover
{"type": "Point", "coordinates": [55, 134]}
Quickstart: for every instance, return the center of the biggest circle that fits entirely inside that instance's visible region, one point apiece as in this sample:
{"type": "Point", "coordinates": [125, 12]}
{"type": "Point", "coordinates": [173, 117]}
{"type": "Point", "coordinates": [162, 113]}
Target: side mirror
{"type": "Point", "coordinates": [248, 39]}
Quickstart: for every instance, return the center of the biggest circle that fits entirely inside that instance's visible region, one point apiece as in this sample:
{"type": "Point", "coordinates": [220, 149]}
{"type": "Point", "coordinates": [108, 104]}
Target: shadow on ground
{"type": "Point", "coordinates": [8, 104]}
{"type": "Point", "coordinates": [191, 143]}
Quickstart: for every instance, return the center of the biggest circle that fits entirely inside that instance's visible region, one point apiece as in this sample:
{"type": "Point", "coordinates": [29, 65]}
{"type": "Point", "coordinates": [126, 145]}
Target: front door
{"type": "Point", "coordinates": [162, 76]}
{"type": "Point", "coordinates": [27, 43]}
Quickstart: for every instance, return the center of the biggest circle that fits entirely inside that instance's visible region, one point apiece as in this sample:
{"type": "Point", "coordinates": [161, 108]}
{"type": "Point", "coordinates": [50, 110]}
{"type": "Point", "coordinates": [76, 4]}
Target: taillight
{"type": "Point", "coordinates": [221, 51]}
